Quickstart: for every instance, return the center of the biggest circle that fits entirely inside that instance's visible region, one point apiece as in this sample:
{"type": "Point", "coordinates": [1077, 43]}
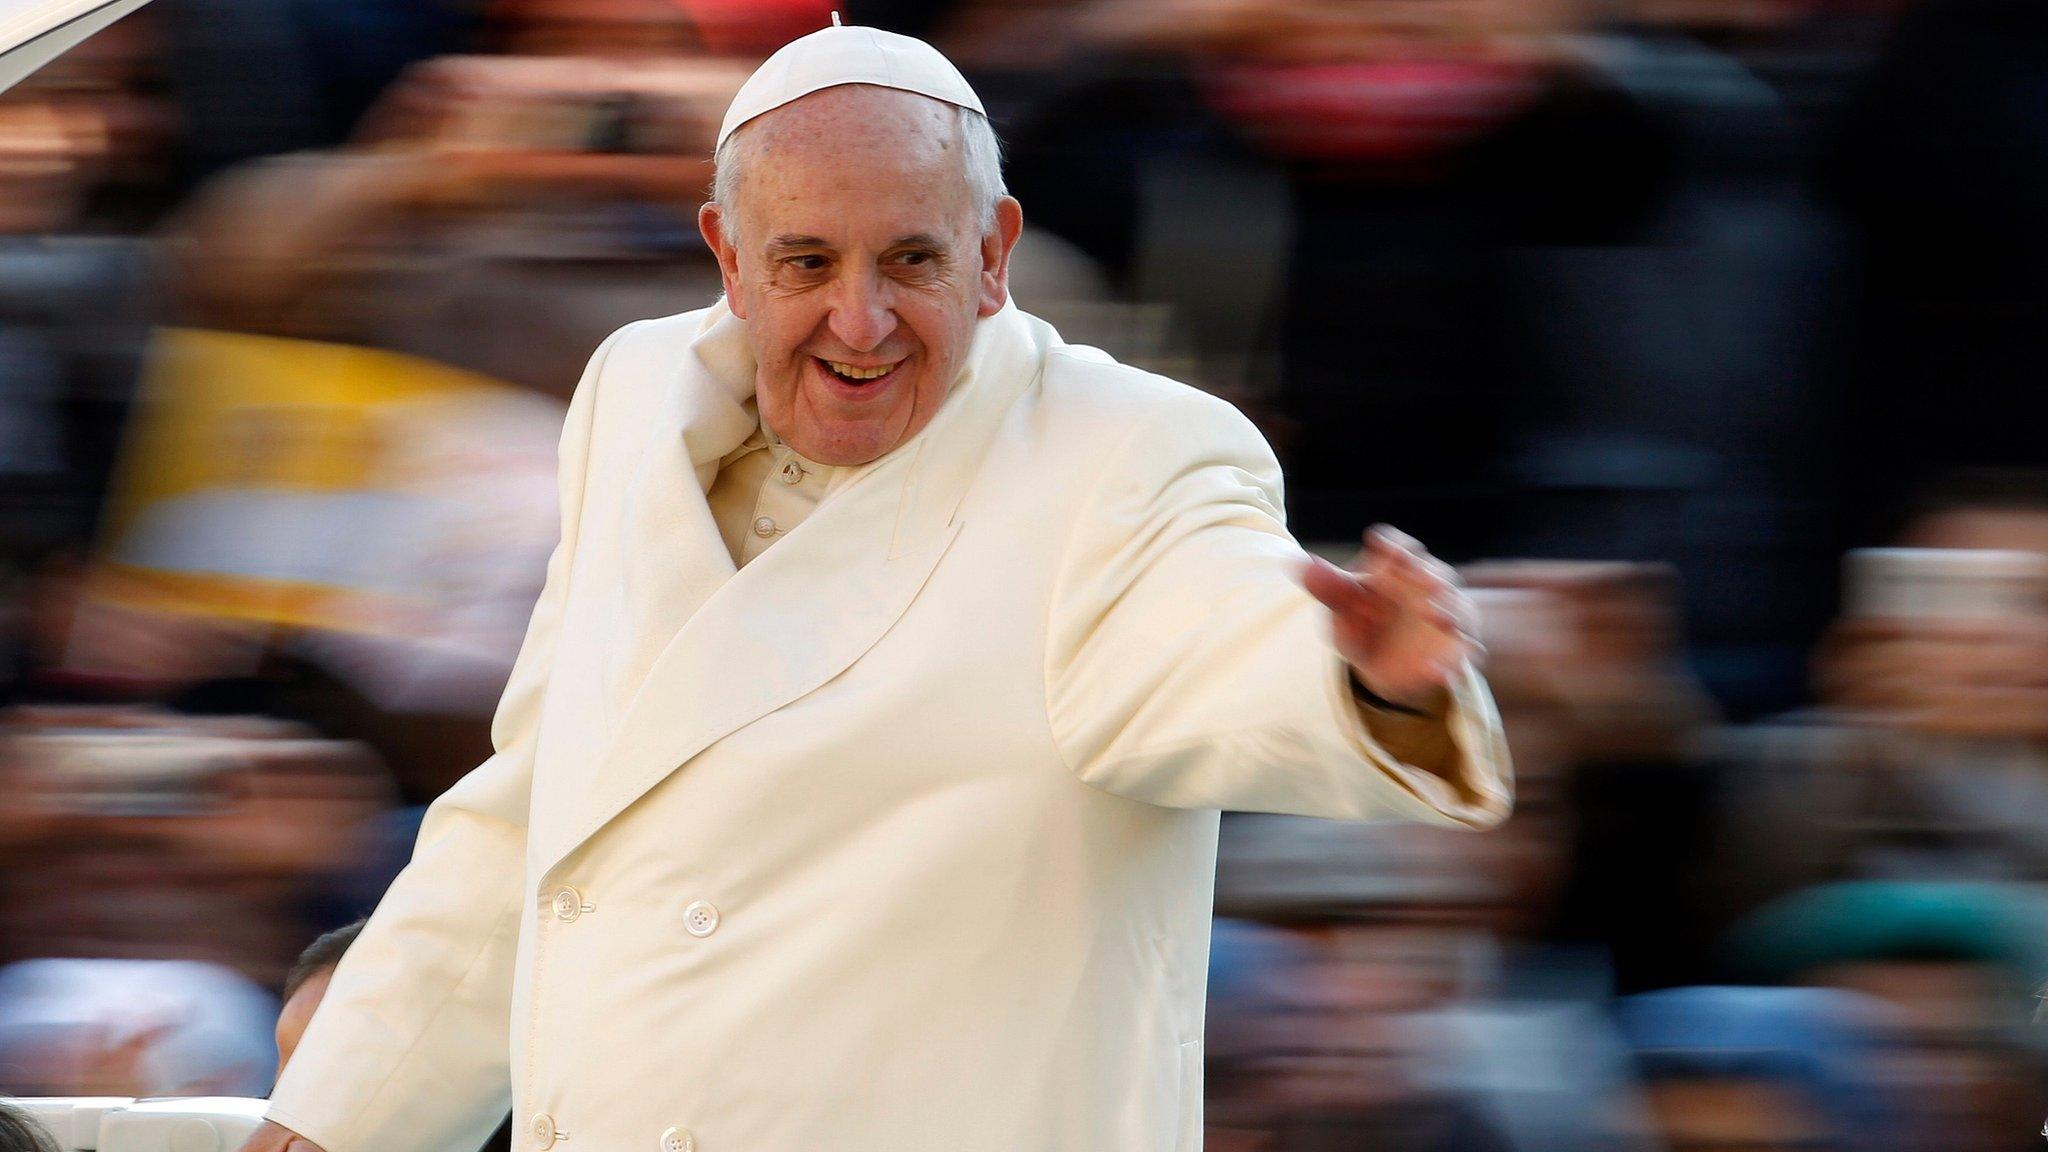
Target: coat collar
{"type": "Point", "coordinates": [736, 645]}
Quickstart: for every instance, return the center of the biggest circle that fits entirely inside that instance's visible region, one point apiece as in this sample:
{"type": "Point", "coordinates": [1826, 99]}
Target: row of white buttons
{"type": "Point", "coordinates": [546, 1135]}
{"type": "Point", "coordinates": [700, 919]}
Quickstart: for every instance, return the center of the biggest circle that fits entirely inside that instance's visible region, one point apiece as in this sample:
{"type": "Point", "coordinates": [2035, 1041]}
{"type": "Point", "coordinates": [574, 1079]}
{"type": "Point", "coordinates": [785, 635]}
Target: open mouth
{"type": "Point", "coordinates": [856, 375]}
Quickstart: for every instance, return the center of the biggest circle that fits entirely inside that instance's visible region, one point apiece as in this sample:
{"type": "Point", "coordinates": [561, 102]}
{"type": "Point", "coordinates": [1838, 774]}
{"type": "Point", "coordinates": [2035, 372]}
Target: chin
{"type": "Point", "coordinates": [843, 447]}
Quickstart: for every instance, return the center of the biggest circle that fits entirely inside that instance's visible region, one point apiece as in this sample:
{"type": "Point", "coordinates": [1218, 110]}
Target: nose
{"type": "Point", "coordinates": [865, 313]}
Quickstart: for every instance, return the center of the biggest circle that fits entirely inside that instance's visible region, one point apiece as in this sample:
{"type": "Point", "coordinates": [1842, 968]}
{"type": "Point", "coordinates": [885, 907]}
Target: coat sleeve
{"type": "Point", "coordinates": [1186, 665]}
{"type": "Point", "coordinates": [409, 1050]}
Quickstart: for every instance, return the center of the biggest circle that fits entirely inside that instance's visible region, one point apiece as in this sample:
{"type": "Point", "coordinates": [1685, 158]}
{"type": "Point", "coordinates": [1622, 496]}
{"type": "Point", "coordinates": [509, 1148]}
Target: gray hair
{"type": "Point", "coordinates": [981, 154]}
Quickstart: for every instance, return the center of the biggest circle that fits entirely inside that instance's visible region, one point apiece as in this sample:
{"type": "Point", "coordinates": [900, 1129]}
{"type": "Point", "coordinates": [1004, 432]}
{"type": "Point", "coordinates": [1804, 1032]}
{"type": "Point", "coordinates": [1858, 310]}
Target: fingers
{"type": "Point", "coordinates": [1406, 561]}
{"type": "Point", "coordinates": [1394, 575]}
{"type": "Point", "coordinates": [1355, 604]}
{"type": "Point", "coordinates": [1336, 588]}
{"type": "Point", "coordinates": [1422, 584]}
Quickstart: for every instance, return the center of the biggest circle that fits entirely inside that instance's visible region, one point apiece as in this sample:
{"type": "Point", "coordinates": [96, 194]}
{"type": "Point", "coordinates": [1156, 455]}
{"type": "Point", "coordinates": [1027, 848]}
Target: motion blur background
{"type": "Point", "coordinates": [1652, 314]}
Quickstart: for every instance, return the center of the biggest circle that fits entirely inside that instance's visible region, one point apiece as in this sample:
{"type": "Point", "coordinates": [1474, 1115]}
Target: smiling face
{"type": "Point", "coordinates": [856, 258]}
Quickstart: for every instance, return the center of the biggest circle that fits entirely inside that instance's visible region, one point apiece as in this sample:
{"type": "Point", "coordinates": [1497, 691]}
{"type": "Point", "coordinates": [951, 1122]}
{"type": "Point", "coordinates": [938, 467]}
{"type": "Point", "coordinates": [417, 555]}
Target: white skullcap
{"type": "Point", "coordinates": [839, 55]}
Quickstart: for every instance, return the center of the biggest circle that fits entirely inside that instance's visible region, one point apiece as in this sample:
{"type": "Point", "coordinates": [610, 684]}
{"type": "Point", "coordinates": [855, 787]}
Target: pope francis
{"type": "Point", "coordinates": [856, 787]}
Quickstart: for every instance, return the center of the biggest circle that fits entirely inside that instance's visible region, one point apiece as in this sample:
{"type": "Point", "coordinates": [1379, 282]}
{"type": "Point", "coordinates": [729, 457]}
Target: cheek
{"type": "Point", "coordinates": [777, 330]}
{"type": "Point", "coordinates": [944, 328]}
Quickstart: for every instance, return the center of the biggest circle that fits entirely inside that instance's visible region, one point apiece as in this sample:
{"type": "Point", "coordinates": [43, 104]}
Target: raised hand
{"type": "Point", "coordinates": [1399, 617]}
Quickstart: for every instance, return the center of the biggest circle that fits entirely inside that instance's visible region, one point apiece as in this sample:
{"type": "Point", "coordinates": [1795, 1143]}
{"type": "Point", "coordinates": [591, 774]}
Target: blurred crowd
{"type": "Point", "coordinates": [1703, 333]}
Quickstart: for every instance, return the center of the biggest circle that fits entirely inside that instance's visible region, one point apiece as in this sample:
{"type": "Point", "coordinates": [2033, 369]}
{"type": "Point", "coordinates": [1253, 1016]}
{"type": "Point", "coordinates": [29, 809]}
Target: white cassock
{"type": "Point", "coordinates": [899, 837]}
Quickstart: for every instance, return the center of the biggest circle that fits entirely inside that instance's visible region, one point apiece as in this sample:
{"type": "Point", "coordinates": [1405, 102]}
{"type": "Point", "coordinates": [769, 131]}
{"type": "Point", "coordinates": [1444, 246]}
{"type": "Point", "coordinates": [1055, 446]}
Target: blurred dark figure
{"type": "Point", "coordinates": [19, 1132]}
{"type": "Point", "coordinates": [81, 148]}
{"type": "Point", "coordinates": [257, 78]}
{"type": "Point", "coordinates": [1940, 170]}
{"type": "Point", "coordinates": [1602, 640]}
{"type": "Point", "coordinates": [1358, 174]}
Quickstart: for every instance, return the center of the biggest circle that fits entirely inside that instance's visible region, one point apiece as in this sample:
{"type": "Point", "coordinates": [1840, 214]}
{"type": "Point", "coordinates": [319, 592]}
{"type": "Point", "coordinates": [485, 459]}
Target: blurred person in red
{"type": "Point", "coordinates": [1363, 168]}
{"type": "Point", "coordinates": [867, 535]}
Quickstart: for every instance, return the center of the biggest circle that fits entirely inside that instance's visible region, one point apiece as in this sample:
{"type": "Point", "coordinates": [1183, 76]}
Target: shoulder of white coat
{"type": "Point", "coordinates": [659, 334]}
{"type": "Point", "coordinates": [639, 346]}
{"type": "Point", "coordinates": [1111, 406]}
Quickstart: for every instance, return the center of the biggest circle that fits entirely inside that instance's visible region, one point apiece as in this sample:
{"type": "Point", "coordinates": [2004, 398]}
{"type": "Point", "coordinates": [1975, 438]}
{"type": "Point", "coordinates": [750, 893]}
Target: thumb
{"type": "Point", "coordinates": [1337, 589]}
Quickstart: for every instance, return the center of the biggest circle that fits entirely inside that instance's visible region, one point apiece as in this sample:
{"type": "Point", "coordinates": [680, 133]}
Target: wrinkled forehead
{"type": "Point", "coordinates": [852, 122]}
{"type": "Point", "coordinates": [854, 149]}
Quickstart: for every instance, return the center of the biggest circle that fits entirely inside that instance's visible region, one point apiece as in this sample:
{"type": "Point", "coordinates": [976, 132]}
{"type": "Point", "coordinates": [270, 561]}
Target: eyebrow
{"type": "Point", "coordinates": [792, 242]}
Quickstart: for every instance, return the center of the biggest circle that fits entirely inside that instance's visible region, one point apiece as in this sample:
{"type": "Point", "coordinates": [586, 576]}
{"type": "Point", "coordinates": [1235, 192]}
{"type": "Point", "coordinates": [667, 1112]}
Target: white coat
{"type": "Point", "coordinates": [899, 839]}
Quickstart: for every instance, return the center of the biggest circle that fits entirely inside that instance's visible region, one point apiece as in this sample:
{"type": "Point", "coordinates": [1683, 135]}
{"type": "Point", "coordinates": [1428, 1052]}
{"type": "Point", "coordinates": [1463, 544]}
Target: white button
{"type": "Point", "coordinates": [544, 1132]}
{"type": "Point", "coordinates": [678, 1140]}
{"type": "Point", "coordinates": [792, 473]}
{"type": "Point", "coordinates": [764, 527]}
{"type": "Point", "coordinates": [569, 904]}
{"type": "Point", "coordinates": [700, 919]}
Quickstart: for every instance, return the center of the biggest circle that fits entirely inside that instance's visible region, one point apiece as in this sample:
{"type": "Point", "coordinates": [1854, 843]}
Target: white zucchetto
{"type": "Point", "coordinates": [839, 55]}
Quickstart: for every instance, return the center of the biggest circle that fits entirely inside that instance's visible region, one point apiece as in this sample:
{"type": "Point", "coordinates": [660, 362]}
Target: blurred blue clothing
{"type": "Point", "coordinates": [1818, 1041]}
{"type": "Point", "coordinates": [199, 1029]}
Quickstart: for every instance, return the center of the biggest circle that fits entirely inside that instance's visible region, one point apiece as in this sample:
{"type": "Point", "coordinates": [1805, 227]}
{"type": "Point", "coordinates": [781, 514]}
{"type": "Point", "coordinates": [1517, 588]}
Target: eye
{"type": "Point", "coordinates": [809, 262]}
{"type": "Point", "coordinates": [915, 258]}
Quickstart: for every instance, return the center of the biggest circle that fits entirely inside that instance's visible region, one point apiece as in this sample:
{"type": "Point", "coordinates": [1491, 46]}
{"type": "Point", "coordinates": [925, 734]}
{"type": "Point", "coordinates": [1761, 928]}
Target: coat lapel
{"type": "Point", "coordinates": [673, 560]}
{"type": "Point", "coordinates": [810, 606]}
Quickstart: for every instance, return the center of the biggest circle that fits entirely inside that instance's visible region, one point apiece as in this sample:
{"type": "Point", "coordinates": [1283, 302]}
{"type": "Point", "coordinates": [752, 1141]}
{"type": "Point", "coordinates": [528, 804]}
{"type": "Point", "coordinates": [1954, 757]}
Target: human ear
{"type": "Point", "coordinates": [711, 221]}
{"type": "Point", "coordinates": [996, 245]}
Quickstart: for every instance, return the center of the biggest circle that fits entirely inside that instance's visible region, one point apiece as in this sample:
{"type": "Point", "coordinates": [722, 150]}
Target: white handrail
{"type": "Point", "coordinates": [171, 1124]}
{"type": "Point", "coordinates": [34, 32]}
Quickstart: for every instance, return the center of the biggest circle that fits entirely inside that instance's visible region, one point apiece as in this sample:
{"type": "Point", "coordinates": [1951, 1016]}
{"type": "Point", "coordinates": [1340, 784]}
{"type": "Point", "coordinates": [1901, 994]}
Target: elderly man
{"type": "Point", "coordinates": [857, 785]}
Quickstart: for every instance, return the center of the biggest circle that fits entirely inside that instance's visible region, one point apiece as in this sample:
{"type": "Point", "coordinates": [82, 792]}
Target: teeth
{"type": "Point", "coordinates": [855, 373]}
